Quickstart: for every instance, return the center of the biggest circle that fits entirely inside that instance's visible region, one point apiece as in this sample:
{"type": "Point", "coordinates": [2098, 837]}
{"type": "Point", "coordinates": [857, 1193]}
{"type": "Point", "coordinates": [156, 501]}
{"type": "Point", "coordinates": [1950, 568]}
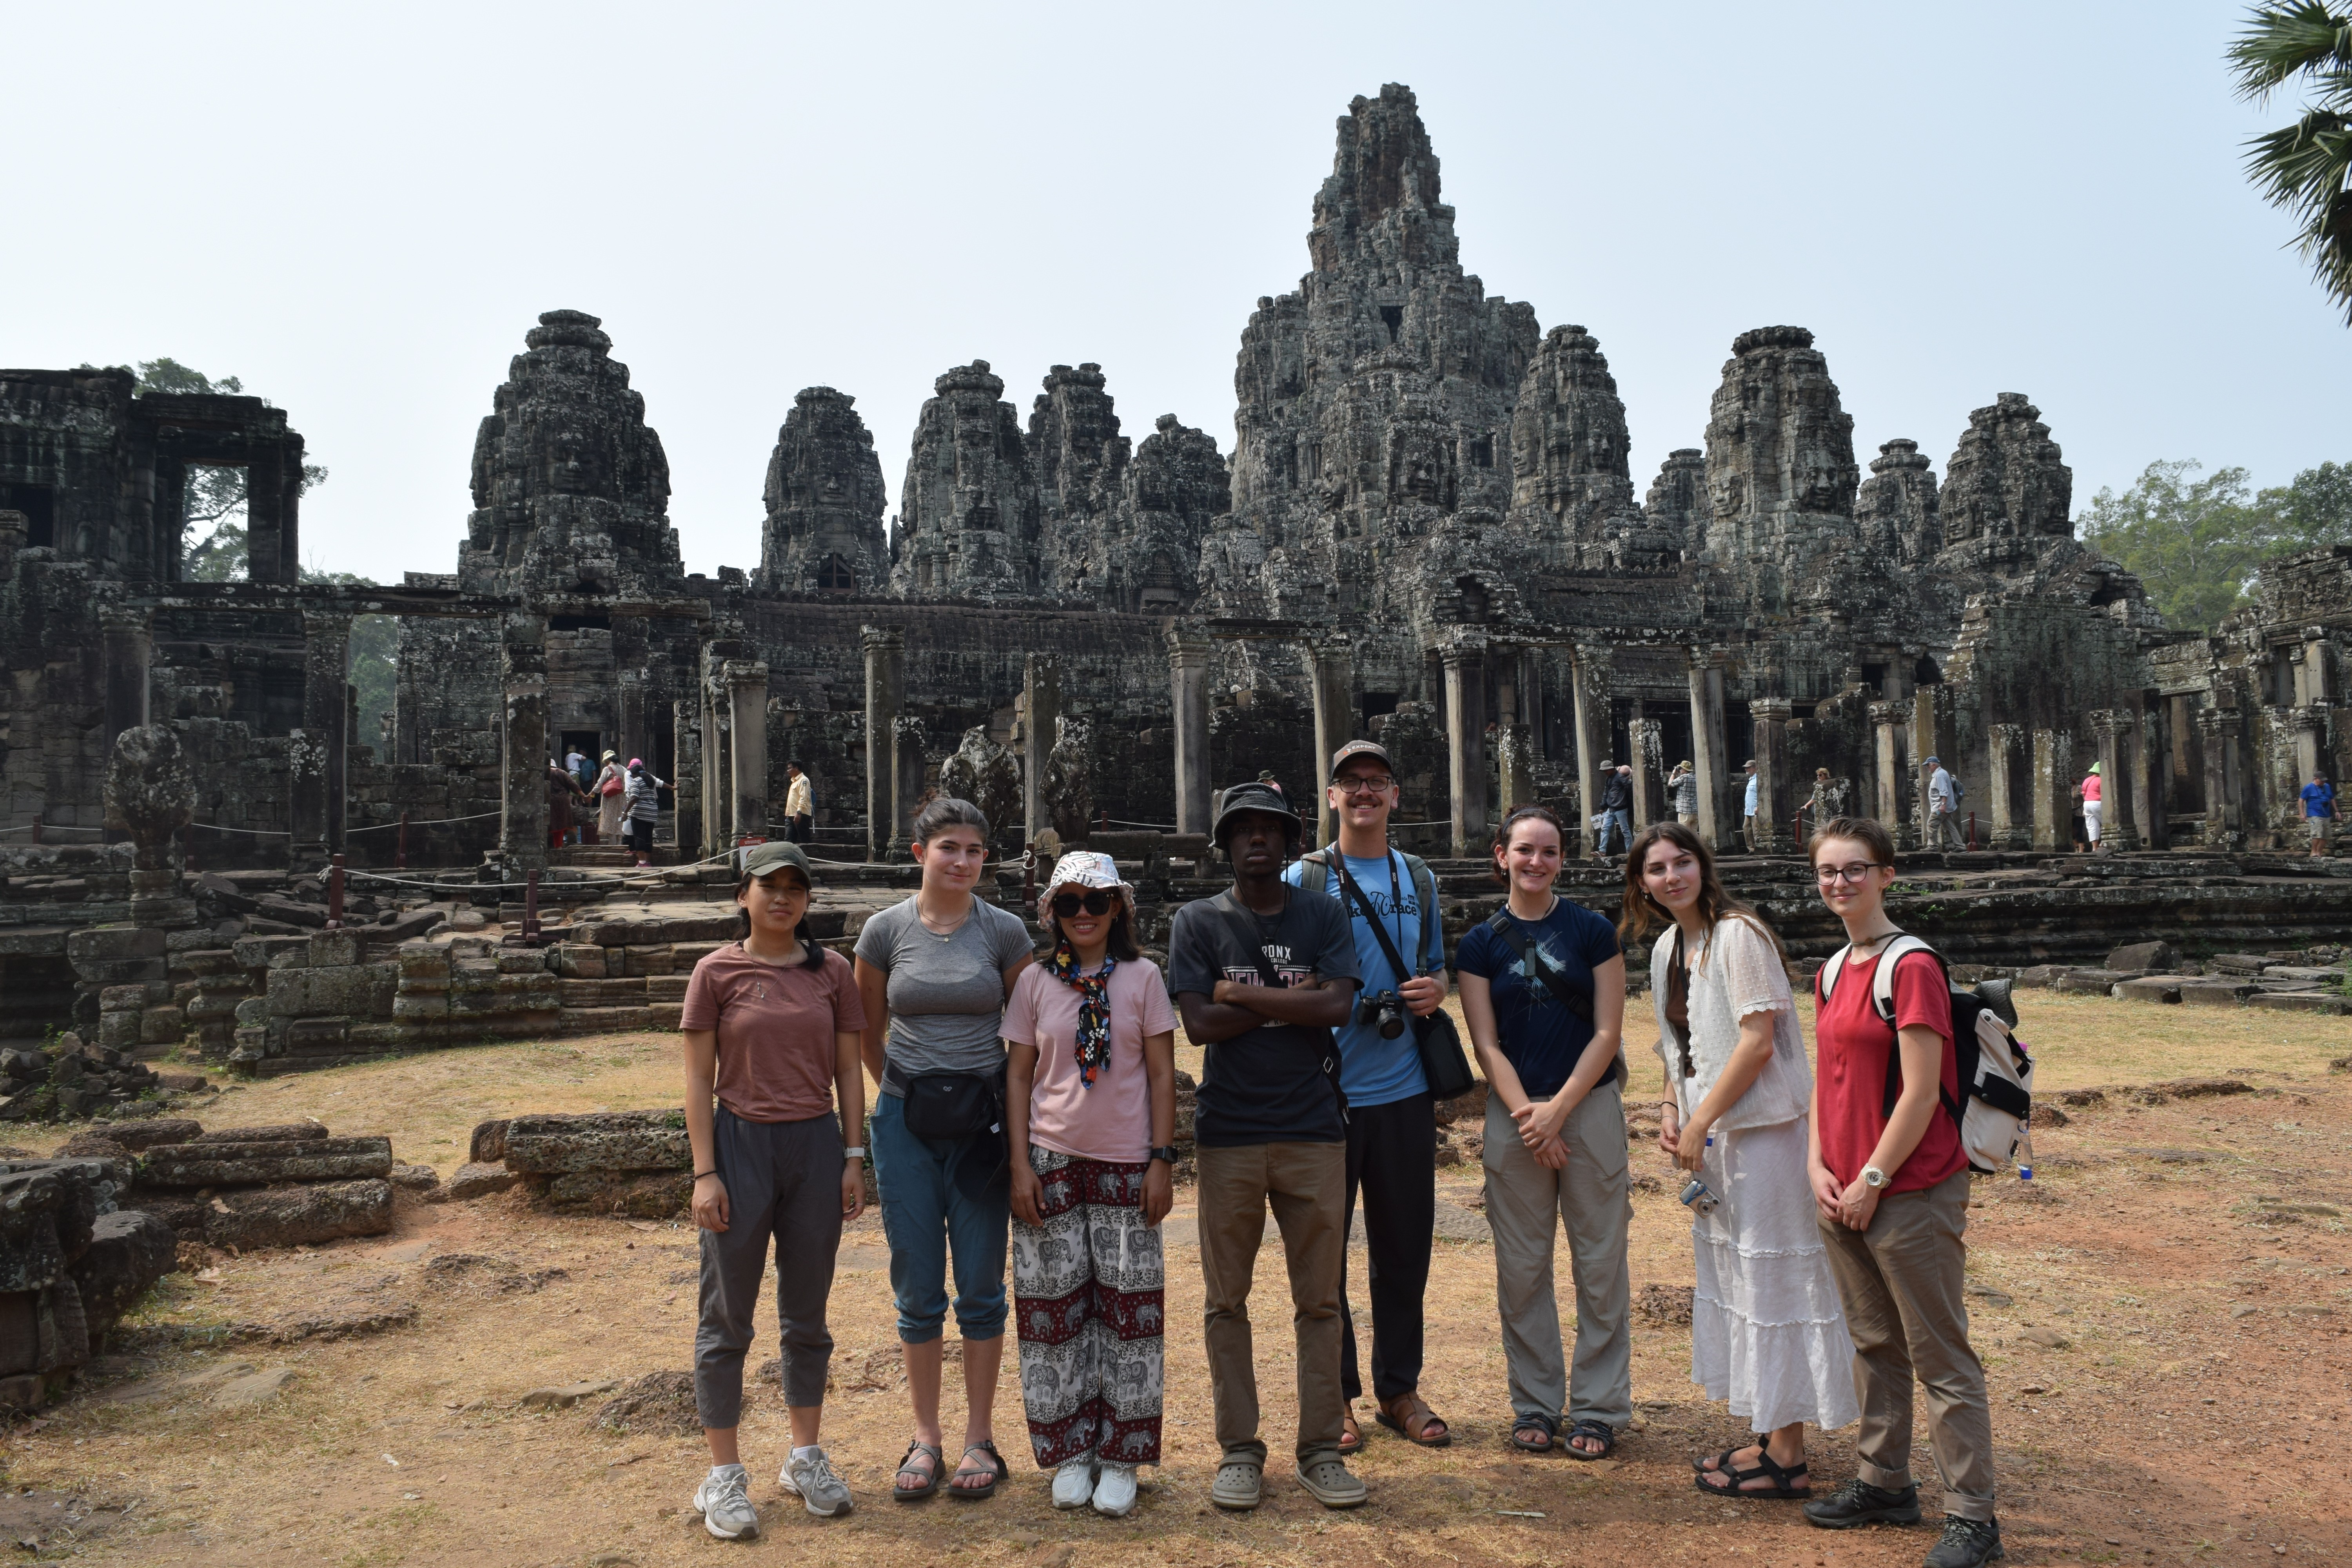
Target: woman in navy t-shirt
{"type": "Point", "coordinates": [1555, 1139]}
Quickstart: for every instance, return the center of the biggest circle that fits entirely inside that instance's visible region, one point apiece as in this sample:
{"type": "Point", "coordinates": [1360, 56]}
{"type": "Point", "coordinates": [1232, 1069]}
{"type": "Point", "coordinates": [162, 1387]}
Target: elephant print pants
{"type": "Point", "coordinates": [1088, 1307]}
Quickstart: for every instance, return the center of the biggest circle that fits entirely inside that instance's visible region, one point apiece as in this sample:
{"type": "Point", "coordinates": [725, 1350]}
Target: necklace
{"type": "Point", "coordinates": [948, 936]}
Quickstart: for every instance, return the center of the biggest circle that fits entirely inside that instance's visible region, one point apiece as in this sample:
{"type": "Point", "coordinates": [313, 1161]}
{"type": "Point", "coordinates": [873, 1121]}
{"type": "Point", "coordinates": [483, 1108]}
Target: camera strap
{"type": "Point", "coordinates": [1397, 964]}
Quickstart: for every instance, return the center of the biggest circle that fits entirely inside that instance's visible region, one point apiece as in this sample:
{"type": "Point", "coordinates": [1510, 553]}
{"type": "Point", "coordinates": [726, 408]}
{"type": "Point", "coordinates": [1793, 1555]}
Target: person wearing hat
{"type": "Point", "coordinates": [1616, 808]}
{"type": "Point", "coordinates": [1682, 788]}
{"type": "Point", "coordinates": [1262, 975]}
{"type": "Point", "coordinates": [773, 1026]}
{"type": "Point", "coordinates": [611, 790]}
{"type": "Point", "coordinates": [1943, 807]}
{"type": "Point", "coordinates": [644, 809]}
{"type": "Point", "coordinates": [2094, 792]}
{"type": "Point", "coordinates": [1090, 1105]}
{"type": "Point", "coordinates": [1391, 1119]}
{"type": "Point", "coordinates": [1748, 816]}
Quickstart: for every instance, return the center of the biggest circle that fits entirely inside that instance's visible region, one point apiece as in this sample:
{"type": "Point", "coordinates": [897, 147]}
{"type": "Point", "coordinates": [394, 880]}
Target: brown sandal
{"type": "Point", "coordinates": [1410, 1418]}
{"type": "Point", "coordinates": [1352, 1437]}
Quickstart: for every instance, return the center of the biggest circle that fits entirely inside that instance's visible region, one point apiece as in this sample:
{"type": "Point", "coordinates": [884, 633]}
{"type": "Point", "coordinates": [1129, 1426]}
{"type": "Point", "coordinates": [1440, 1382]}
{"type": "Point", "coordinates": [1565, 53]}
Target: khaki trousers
{"type": "Point", "coordinates": [1306, 1186]}
{"type": "Point", "coordinates": [1902, 1282]}
{"type": "Point", "coordinates": [1526, 1205]}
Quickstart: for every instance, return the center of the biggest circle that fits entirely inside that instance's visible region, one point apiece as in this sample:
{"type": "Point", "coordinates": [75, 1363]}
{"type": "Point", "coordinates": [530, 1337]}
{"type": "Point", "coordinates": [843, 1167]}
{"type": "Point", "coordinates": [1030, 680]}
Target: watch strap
{"type": "Point", "coordinates": [1163, 1152]}
{"type": "Point", "coordinates": [853, 1152]}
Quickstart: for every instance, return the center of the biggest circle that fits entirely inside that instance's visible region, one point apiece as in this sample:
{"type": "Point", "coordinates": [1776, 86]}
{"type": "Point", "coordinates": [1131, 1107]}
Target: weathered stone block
{"type": "Point", "coordinates": [252, 1012]}
{"type": "Point", "coordinates": [599, 1141]}
{"type": "Point", "coordinates": [358, 990]}
{"type": "Point", "coordinates": [113, 944]}
{"type": "Point", "coordinates": [580, 960]}
{"type": "Point", "coordinates": [119, 1031]}
{"type": "Point", "coordinates": [298, 1215]}
{"type": "Point", "coordinates": [2148, 988]}
{"type": "Point", "coordinates": [250, 1164]}
{"type": "Point", "coordinates": [263, 951]}
{"type": "Point", "coordinates": [129, 998]}
{"type": "Point", "coordinates": [601, 993]}
{"type": "Point", "coordinates": [129, 1250]}
{"type": "Point", "coordinates": [635, 1194]}
{"type": "Point", "coordinates": [643, 961]}
{"type": "Point", "coordinates": [161, 1027]}
{"type": "Point", "coordinates": [667, 987]}
{"type": "Point", "coordinates": [129, 1136]}
{"type": "Point", "coordinates": [478, 1180]}
{"type": "Point", "coordinates": [2332, 1005]}
{"type": "Point", "coordinates": [2215, 992]}
{"type": "Point", "coordinates": [332, 949]}
{"type": "Point", "coordinates": [488, 1144]}
{"type": "Point", "coordinates": [2144, 956]}
{"type": "Point", "coordinates": [216, 1007]}
{"type": "Point", "coordinates": [316, 1035]}
{"type": "Point", "coordinates": [267, 1132]}
{"type": "Point", "coordinates": [119, 972]}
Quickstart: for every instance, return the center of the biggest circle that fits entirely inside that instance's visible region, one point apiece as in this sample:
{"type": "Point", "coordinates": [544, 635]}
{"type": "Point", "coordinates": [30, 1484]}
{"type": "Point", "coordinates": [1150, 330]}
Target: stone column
{"type": "Point", "coordinates": [128, 648]}
{"type": "Point", "coordinates": [1771, 716]}
{"type": "Point", "coordinates": [1189, 655]}
{"type": "Point", "coordinates": [1515, 758]}
{"type": "Point", "coordinates": [316, 751]}
{"type": "Point", "coordinates": [2152, 777]}
{"type": "Point", "coordinates": [1586, 676]}
{"type": "Point", "coordinates": [271, 554]}
{"type": "Point", "coordinates": [906, 740]}
{"type": "Point", "coordinates": [685, 746]}
{"type": "Point", "coordinates": [886, 684]}
{"type": "Point", "coordinates": [2310, 725]}
{"type": "Point", "coordinates": [714, 776]}
{"type": "Point", "coordinates": [522, 797]}
{"type": "Point", "coordinates": [2316, 685]}
{"type": "Point", "coordinates": [2110, 735]}
{"type": "Point", "coordinates": [632, 738]}
{"type": "Point", "coordinates": [2001, 743]}
{"type": "Point", "coordinates": [1886, 720]}
{"type": "Point", "coordinates": [1335, 726]}
{"type": "Point", "coordinates": [1041, 692]}
{"type": "Point", "coordinates": [2053, 791]}
{"type": "Point", "coordinates": [1466, 739]}
{"type": "Point", "coordinates": [1710, 752]}
{"type": "Point", "coordinates": [2220, 809]}
{"type": "Point", "coordinates": [747, 713]}
{"type": "Point", "coordinates": [1642, 739]}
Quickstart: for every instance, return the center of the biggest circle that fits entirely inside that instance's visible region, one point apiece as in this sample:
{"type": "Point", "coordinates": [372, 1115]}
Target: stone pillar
{"type": "Point", "coordinates": [2053, 791]}
{"type": "Point", "coordinates": [271, 554]}
{"type": "Point", "coordinates": [2111, 735]}
{"type": "Point", "coordinates": [632, 738]}
{"type": "Point", "coordinates": [2220, 806]}
{"type": "Point", "coordinates": [886, 684]}
{"type": "Point", "coordinates": [2310, 725]}
{"type": "Point", "coordinates": [2001, 743]}
{"type": "Point", "coordinates": [1515, 757]}
{"type": "Point", "coordinates": [1773, 803]}
{"type": "Point", "coordinates": [905, 797]}
{"type": "Point", "coordinates": [1466, 739]}
{"type": "Point", "coordinates": [127, 648]}
{"type": "Point", "coordinates": [2316, 685]}
{"type": "Point", "coordinates": [1887, 720]}
{"type": "Point", "coordinates": [1643, 741]}
{"type": "Point", "coordinates": [2152, 777]}
{"type": "Point", "coordinates": [747, 715]}
{"type": "Point", "coordinates": [523, 796]}
{"type": "Point", "coordinates": [316, 750]}
{"type": "Point", "coordinates": [1041, 692]}
{"type": "Point", "coordinates": [1586, 675]}
{"type": "Point", "coordinates": [1718, 816]}
{"type": "Point", "coordinates": [685, 747]}
{"type": "Point", "coordinates": [1335, 725]}
{"type": "Point", "coordinates": [1189, 655]}
{"type": "Point", "coordinates": [714, 775]}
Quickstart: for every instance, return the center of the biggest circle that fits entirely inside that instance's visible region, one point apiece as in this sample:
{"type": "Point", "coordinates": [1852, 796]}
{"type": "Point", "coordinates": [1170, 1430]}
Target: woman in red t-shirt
{"type": "Point", "coordinates": [1893, 1195]}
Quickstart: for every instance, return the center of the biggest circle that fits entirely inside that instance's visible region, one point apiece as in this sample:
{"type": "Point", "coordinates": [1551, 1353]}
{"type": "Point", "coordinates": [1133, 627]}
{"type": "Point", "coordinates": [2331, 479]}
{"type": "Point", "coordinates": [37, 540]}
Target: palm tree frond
{"type": "Point", "coordinates": [2283, 40]}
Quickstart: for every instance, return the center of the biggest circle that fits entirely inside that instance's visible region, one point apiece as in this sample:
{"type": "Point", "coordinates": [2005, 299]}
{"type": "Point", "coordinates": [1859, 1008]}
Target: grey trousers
{"type": "Point", "coordinates": [783, 1180]}
{"type": "Point", "coordinates": [1902, 1282]}
{"type": "Point", "coordinates": [1591, 1197]}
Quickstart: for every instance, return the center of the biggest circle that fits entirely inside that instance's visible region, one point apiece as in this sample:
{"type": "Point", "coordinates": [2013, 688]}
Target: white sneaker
{"type": "Point", "coordinates": [813, 1480]}
{"type": "Point", "coordinates": [1115, 1491]}
{"type": "Point", "coordinates": [1074, 1484]}
{"type": "Point", "coordinates": [724, 1502]}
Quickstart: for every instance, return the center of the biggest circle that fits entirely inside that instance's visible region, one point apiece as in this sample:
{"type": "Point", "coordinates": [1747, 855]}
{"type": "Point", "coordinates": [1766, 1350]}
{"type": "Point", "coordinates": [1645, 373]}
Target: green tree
{"type": "Point", "coordinates": [2306, 167]}
{"type": "Point", "coordinates": [2312, 511]}
{"type": "Point", "coordinates": [212, 541]}
{"type": "Point", "coordinates": [2195, 543]}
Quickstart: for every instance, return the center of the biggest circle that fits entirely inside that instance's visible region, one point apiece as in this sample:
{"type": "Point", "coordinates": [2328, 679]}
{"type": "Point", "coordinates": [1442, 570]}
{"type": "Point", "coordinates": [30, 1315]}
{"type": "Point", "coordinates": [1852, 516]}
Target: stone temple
{"type": "Point", "coordinates": [1427, 531]}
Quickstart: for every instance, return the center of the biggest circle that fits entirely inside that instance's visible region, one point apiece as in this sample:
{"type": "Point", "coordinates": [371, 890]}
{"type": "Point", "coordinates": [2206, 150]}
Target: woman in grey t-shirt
{"type": "Point", "coordinates": [934, 971]}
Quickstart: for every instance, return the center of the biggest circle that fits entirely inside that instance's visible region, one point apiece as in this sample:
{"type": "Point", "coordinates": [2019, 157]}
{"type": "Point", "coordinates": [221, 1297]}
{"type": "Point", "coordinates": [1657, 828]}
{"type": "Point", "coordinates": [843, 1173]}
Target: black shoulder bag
{"type": "Point", "coordinates": [1249, 937]}
{"type": "Point", "coordinates": [1577, 1002]}
{"type": "Point", "coordinates": [1442, 1061]}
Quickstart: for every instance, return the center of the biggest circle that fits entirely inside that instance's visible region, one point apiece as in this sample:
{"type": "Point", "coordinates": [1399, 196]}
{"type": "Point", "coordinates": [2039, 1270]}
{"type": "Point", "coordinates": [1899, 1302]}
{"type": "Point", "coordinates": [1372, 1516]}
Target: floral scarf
{"type": "Point", "coordinates": [1094, 1009]}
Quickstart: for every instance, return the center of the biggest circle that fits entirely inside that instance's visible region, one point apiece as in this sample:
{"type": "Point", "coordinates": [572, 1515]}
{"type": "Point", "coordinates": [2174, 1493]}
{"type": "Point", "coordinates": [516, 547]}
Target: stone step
{"type": "Point", "coordinates": [259, 1163]}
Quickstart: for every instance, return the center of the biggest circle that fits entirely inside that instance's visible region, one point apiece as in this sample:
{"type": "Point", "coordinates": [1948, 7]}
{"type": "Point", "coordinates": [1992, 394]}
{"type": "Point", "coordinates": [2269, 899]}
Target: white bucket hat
{"type": "Point", "coordinates": [1079, 868]}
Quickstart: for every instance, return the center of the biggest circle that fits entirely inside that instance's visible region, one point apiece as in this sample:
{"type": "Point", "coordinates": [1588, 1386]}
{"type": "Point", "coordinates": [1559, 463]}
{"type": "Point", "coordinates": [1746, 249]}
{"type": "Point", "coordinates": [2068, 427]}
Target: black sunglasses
{"type": "Point", "coordinates": [1097, 902]}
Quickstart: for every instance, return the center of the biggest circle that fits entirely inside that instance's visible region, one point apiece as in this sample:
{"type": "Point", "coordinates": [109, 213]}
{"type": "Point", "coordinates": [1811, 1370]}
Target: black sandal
{"type": "Point", "coordinates": [1601, 1431]}
{"type": "Point", "coordinates": [996, 1464]}
{"type": "Point", "coordinates": [931, 1483]}
{"type": "Point", "coordinates": [1719, 1461]}
{"type": "Point", "coordinates": [1765, 1466]}
{"type": "Point", "coordinates": [1547, 1426]}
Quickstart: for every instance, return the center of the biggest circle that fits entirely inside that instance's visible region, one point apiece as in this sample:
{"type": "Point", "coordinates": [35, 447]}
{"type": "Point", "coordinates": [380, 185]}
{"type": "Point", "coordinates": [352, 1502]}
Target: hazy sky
{"type": "Point", "coordinates": [360, 211]}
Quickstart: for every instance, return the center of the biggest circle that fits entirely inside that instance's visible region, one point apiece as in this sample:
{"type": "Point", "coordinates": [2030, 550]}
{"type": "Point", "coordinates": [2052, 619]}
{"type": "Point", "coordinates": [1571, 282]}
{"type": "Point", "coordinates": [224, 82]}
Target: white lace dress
{"type": "Point", "coordinates": [1768, 1334]}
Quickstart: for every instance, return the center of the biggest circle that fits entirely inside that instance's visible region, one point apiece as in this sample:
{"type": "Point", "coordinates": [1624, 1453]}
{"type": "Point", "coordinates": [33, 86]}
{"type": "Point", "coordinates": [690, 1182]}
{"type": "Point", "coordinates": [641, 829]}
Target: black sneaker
{"type": "Point", "coordinates": [1967, 1544]}
{"type": "Point", "coordinates": [1859, 1502]}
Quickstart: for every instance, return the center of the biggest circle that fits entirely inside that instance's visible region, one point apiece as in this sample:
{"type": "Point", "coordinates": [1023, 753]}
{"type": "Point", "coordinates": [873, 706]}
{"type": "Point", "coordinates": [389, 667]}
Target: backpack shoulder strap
{"type": "Point", "coordinates": [1314, 872]}
{"type": "Point", "coordinates": [1424, 888]}
{"type": "Point", "coordinates": [1826, 978]}
{"type": "Point", "coordinates": [1882, 983]}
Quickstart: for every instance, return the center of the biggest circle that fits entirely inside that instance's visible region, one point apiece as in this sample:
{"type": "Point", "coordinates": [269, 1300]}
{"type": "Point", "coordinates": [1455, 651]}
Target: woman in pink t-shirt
{"type": "Point", "coordinates": [1090, 1094]}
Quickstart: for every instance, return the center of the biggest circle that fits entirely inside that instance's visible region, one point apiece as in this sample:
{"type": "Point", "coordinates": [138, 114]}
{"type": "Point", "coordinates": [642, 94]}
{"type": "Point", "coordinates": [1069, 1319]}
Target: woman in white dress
{"type": "Point", "coordinates": [1768, 1334]}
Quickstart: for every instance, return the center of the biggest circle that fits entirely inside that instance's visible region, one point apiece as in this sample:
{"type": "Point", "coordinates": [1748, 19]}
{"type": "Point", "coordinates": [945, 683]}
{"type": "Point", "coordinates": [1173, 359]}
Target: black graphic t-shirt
{"type": "Point", "coordinates": [1265, 1086]}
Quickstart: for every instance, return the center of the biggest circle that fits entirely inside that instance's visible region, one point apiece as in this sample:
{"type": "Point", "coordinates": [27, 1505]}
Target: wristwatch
{"type": "Point", "coordinates": [853, 1152]}
{"type": "Point", "coordinates": [1164, 1152]}
{"type": "Point", "coordinates": [1875, 1178]}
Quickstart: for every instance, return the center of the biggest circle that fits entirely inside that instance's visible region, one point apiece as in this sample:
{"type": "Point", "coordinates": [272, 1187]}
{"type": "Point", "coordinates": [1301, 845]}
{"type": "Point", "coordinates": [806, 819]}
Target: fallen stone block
{"type": "Point", "coordinates": [488, 1144]}
{"type": "Point", "coordinates": [416, 1178]}
{"type": "Point", "coordinates": [253, 1164]}
{"type": "Point", "coordinates": [2090, 981]}
{"type": "Point", "coordinates": [477, 1181]}
{"type": "Point", "coordinates": [131, 1137]}
{"type": "Point", "coordinates": [129, 1250]}
{"type": "Point", "coordinates": [633, 1194]}
{"type": "Point", "coordinates": [2239, 963]}
{"type": "Point", "coordinates": [2215, 992]}
{"type": "Point", "coordinates": [599, 1141]}
{"type": "Point", "coordinates": [2042, 975]}
{"type": "Point", "coordinates": [2144, 956]}
{"type": "Point", "coordinates": [298, 1215]}
{"type": "Point", "coordinates": [2148, 988]}
{"type": "Point", "coordinates": [274, 1134]}
{"type": "Point", "coordinates": [567, 1395]}
{"type": "Point", "coordinates": [2328, 1002]}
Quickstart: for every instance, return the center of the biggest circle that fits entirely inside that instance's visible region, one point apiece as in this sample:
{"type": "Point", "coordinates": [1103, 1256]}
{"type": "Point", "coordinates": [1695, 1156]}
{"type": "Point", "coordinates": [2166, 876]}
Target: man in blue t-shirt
{"type": "Point", "coordinates": [1391, 1120]}
{"type": "Point", "coordinates": [2319, 811]}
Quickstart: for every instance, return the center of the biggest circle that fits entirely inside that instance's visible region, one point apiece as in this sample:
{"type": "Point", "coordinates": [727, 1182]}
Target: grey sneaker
{"type": "Point", "coordinates": [1967, 1544]}
{"type": "Point", "coordinates": [822, 1492]}
{"type": "Point", "coordinates": [1331, 1482]}
{"type": "Point", "coordinates": [1238, 1485]}
{"type": "Point", "coordinates": [724, 1502]}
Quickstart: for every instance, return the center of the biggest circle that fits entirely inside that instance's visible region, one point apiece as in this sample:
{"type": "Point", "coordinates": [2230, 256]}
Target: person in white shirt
{"type": "Point", "coordinates": [800, 806]}
{"type": "Point", "coordinates": [1943, 807]}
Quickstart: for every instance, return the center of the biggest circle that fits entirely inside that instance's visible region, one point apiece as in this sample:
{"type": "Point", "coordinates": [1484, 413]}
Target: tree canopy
{"type": "Point", "coordinates": [212, 539]}
{"type": "Point", "coordinates": [2197, 544]}
{"type": "Point", "coordinates": [2305, 167]}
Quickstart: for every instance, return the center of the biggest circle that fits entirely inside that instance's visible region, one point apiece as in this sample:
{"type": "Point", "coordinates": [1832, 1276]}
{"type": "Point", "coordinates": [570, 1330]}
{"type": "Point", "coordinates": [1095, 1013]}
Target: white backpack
{"type": "Point", "coordinates": [1996, 1075]}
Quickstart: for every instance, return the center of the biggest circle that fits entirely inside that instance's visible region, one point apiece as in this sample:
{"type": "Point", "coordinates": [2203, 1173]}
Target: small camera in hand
{"type": "Point", "coordinates": [1699, 1196]}
{"type": "Point", "coordinates": [1384, 1010]}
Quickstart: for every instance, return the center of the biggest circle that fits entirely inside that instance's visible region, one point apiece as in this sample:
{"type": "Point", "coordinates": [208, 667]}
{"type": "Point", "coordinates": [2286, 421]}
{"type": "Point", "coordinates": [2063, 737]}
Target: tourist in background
{"type": "Point", "coordinates": [612, 792]}
{"type": "Point", "coordinates": [644, 809]}
{"type": "Point", "coordinates": [563, 795]}
{"type": "Point", "coordinates": [1826, 801]}
{"type": "Point", "coordinates": [2092, 791]}
{"type": "Point", "coordinates": [1767, 1333]}
{"type": "Point", "coordinates": [1616, 808]}
{"type": "Point", "coordinates": [1543, 987]}
{"type": "Point", "coordinates": [800, 806]}
{"type": "Point", "coordinates": [1090, 1104]}
{"type": "Point", "coordinates": [2319, 811]}
{"type": "Point", "coordinates": [1943, 807]}
{"type": "Point", "coordinates": [1263, 976]}
{"type": "Point", "coordinates": [934, 971]}
{"type": "Point", "coordinates": [1748, 812]}
{"type": "Point", "coordinates": [1391, 1120]}
{"type": "Point", "coordinates": [1682, 787]}
{"type": "Point", "coordinates": [1892, 1192]}
{"type": "Point", "coordinates": [773, 1023]}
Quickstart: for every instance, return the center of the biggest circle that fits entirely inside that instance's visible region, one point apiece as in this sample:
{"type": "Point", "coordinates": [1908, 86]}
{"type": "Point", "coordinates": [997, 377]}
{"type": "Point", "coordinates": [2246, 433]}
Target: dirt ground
{"type": "Point", "coordinates": [2166, 1315]}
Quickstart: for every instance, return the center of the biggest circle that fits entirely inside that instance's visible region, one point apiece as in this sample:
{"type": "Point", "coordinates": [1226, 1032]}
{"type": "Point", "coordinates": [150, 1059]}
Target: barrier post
{"type": "Point", "coordinates": [530, 906]}
{"type": "Point", "coordinates": [1973, 831]}
{"type": "Point", "coordinates": [335, 893]}
{"type": "Point", "coordinates": [400, 855]}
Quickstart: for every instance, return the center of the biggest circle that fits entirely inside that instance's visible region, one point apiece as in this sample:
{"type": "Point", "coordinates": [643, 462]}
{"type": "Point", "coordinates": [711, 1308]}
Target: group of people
{"type": "Point", "coordinates": [603, 802]}
{"type": "Point", "coordinates": [1025, 1110]}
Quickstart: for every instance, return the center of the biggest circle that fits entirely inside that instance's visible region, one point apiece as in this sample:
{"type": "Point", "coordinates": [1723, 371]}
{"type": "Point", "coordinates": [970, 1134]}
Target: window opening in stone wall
{"type": "Point", "coordinates": [1159, 589]}
{"type": "Point", "coordinates": [1874, 677]}
{"type": "Point", "coordinates": [1377, 703]}
{"type": "Point", "coordinates": [1474, 599]}
{"type": "Point", "coordinates": [1394, 316]}
{"type": "Point", "coordinates": [834, 576]}
{"type": "Point", "coordinates": [39, 505]}
{"type": "Point", "coordinates": [1481, 451]}
{"type": "Point", "coordinates": [213, 524]}
{"type": "Point", "coordinates": [589, 743]}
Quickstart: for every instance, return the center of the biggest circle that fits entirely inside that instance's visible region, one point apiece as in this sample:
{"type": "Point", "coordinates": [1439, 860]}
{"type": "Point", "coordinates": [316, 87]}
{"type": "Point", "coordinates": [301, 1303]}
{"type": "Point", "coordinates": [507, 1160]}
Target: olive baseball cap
{"type": "Point", "coordinates": [1362, 749]}
{"type": "Point", "coordinates": [759, 859]}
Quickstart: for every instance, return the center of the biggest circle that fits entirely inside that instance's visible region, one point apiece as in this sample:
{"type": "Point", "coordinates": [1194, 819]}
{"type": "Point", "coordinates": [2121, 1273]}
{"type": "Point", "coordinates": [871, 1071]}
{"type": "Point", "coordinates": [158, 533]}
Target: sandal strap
{"type": "Point", "coordinates": [1550, 1423]}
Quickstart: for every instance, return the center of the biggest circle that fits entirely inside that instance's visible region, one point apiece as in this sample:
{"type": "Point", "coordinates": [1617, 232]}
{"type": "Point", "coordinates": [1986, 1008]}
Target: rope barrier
{"type": "Point", "coordinates": [49, 827]}
{"type": "Point", "coordinates": [249, 832]}
{"type": "Point", "coordinates": [436, 822]}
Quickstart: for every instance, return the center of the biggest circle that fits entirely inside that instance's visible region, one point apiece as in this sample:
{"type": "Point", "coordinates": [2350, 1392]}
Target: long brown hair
{"type": "Point", "coordinates": [1641, 914]}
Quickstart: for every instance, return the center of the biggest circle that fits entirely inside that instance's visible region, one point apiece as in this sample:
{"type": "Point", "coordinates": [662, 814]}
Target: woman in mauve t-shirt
{"type": "Point", "coordinates": [1091, 1092]}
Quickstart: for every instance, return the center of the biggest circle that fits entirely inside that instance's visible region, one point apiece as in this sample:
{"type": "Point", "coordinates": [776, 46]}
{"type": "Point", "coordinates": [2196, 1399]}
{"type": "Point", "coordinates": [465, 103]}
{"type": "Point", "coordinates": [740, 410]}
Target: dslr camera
{"type": "Point", "coordinates": [1384, 1010]}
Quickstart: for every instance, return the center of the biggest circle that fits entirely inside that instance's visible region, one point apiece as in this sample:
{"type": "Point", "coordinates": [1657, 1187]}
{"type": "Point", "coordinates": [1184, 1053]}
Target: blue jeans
{"type": "Point", "coordinates": [1617, 833]}
{"type": "Point", "coordinates": [937, 1199]}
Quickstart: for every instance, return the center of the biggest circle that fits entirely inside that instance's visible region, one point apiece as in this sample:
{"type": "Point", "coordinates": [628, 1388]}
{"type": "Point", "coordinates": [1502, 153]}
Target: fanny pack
{"type": "Point", "coordinates": [949, 1107]}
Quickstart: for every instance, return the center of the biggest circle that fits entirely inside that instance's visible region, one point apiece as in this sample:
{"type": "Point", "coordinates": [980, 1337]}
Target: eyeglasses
{"type": "Point", "coordinates": [1363, 784]}
{"type": "Point", "coordinates": [1097, 902]}
{"type": "Point", "coordinates": [1827, 876]}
